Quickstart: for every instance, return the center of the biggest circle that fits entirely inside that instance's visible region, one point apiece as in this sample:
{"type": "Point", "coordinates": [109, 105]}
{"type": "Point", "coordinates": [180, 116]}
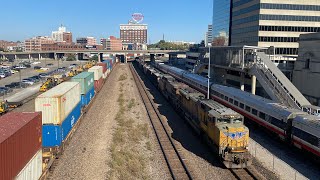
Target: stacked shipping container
{"type": "Point", "coordinates": [61, 108]}
{"type": "Point", "coordinates": [104, 69]}
{"type": "Point", "coordinates": [86, 80]}
{"type": "Point", "coordinates": [98, 80]}
{"type": "Point", "coordinates": [20, 145]}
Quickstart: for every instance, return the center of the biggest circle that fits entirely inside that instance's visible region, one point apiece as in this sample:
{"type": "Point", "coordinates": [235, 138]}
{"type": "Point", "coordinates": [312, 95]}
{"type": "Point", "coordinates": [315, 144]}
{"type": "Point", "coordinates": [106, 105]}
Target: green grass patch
{"type": "Point", "coordinates": [131, 104]}
{"type": "Point", "coordinates": [122, 77]}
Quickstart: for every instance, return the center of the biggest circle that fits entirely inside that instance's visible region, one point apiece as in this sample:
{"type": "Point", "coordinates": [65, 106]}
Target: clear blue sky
{"type": "Point", "coordinates": [177, 19]}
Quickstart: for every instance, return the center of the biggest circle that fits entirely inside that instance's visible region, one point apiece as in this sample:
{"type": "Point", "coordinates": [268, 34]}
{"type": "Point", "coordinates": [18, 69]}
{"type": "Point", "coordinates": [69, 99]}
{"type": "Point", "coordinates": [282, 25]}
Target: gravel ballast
{"type": "Point", "coordinates": [88, 155]}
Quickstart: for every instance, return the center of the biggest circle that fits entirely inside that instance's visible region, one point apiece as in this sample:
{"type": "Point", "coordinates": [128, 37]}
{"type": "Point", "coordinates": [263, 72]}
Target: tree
{"type": "Point", "coordinates": [94, 58]}
{"type": "Point", "coordinates": [163, 45]}
{"type": "Point", "coordinates": [71, 58]}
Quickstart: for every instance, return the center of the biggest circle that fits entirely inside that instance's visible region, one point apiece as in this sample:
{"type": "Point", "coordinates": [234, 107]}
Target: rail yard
{"type": "Point", "coordinates": [136, 123]}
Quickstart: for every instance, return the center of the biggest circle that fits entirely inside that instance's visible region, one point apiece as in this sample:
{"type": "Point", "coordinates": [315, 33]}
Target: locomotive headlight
{"type": "Point", "coordinates": [232, 148]}
{"type": "Point", "coordinates": [247, 147]}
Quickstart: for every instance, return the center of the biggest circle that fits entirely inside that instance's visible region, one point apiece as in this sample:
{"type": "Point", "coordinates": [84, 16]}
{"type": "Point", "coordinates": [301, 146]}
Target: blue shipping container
{"type": "Point", "coordinates": [86, 98]}
{"type": "Point", "coordinates": [53, 135]}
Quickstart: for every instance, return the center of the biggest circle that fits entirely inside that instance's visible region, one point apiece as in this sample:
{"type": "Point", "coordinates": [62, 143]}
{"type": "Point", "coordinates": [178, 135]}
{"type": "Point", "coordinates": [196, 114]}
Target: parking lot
{"type": "Point", "coordinates": [29, 72]}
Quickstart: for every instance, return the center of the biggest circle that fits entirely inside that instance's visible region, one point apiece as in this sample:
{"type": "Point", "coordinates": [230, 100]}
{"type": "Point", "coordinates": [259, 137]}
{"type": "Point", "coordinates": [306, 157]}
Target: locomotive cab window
{"type": "Point", "coordinates": [226, 98]}
{"type": "Point", "coordinates": [237, 121]}
{"type": "Point", "coordinates": [223, 120]}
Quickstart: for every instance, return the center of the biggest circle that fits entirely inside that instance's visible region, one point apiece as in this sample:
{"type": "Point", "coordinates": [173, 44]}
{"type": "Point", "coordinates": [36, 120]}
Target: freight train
{"type": "Point", "coordinates": [294, 126]}
{"type": "Point", "coordinates": [30, 141]}
{"type": "Point", "coordinates": [220, 126]}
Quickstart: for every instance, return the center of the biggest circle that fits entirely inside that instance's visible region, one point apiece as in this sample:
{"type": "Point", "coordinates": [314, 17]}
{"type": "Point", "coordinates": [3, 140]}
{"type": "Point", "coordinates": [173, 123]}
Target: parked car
{"type": "Point", "coordinates": [6, 89]}
{"type": "Point", "coordinates": [36, 77]}
{"type": "Point", "coordinates": [27, 65]}
{"type": "Point", "coordinates": [50, 64]}
{"type": "Point", "coordinates": [37, 67]}
{"type": "Point", "coordinates": [45, 69]}
{"type": "Point", "coordinates": [43, 75]}
{"type": "Point", "coordinates": [28, 82]}
{"type": "Point", "coordinates": [21, 67]}
{"type": "Point", "coordinates": [7, 72]}
{"type": "Point", "coordinates": [36, 62]}
{"type": "Point", "coordinates": [18, 84]}
{"type": "Point", "coordinates": [10, 85]}
{"type": "Point", "coordinates": [2, 75]}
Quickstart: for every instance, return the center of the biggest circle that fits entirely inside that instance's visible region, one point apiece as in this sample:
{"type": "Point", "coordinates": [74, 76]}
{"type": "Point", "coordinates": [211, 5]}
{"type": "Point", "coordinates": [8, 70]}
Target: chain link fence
{"type": "Point", "coordinates": [273, 163]}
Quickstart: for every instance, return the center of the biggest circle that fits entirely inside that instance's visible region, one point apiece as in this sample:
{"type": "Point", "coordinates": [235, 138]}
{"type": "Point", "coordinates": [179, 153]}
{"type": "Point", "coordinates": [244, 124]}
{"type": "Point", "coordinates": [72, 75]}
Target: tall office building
{"type": "Point", "coordinates": [62, 35]}
{"type": "Point", "coordinates": [134, 33]}
{"type": "Point", "coordinates": [275, 23]}
{"type": "Point", "coordinates": [221, 22]}
{"type": "Point", "coordinates": [208, 38]}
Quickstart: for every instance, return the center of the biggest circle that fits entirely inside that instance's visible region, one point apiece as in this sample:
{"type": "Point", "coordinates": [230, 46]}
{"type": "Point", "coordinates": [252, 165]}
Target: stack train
{"type": "Point", "coordinates": [293, 126]}
{"type": "Point", "coordinates": [31, 141]}
{"type": "Point", "coordinates": [221, 127]}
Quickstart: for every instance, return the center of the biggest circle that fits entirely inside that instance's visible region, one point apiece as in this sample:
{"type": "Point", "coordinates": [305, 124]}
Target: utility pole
{"type": "Point", "coordinates": [209, 67]}
{"type": "Point", "coordinates": [20, 78]}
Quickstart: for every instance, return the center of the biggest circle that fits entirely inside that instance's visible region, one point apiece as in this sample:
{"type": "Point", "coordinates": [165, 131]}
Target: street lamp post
{"type": "Point", "coordinates": [208, 95]}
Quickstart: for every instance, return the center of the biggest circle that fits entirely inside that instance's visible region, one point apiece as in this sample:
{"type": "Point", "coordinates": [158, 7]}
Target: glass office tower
{"type": "Point", "coordinates": [221, 22]}
{"type": "Point", "coordinates": [277, 23]}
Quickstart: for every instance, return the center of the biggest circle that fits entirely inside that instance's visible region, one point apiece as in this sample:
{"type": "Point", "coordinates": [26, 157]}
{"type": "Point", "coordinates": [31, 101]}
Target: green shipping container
{"type": "Point", "coordinates": [86, 81]}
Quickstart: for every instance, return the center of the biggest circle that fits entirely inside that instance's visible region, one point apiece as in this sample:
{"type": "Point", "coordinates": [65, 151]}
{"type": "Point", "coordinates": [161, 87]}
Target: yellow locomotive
{"type": "Point", "coordinates": [222, 127]}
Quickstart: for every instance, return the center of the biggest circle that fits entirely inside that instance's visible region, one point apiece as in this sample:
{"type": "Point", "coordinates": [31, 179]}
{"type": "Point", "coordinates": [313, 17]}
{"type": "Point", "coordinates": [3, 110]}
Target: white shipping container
{"type": "Point", "coordinates": [33, 169]}
{"type": "Point", "coordinates": [97, 71]}
{"type": "Point", "coordinates": [58, 102]}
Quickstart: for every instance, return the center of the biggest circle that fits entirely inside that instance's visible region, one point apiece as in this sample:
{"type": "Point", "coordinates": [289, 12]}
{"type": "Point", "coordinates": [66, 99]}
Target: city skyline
{"type": "Point", "coordinates": [177, 20]}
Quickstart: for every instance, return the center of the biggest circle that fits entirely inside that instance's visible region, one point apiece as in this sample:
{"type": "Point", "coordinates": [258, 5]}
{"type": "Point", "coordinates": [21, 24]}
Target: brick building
{"type": "Point", "coordinates": [67, 37]}
{"type": "Point", "coordinates": [7, 45]}
{"type": "Point", "coordinates": [35, 43]}
{"type": "Point", "coordinates": [134, 33]}
{"type": "Point", "coordinates": [113, 43]}
{"type": "Point", "coordinates": [103, 42]}
{"type": "Point", "coordinates": [87, 41]}
{"type": "Point", "coordinates": [61, 46]}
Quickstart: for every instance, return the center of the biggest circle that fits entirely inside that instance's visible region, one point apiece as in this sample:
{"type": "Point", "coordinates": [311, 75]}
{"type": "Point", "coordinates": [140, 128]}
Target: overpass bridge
{"type": "Point", "coordinates": [80, 53]}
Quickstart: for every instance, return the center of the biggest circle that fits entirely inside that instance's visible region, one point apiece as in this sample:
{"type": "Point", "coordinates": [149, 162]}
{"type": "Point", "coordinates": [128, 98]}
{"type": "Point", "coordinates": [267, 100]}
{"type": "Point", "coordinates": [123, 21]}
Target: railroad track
{"type": "Point", "coordinates": [245, 174]}
{"type": "Point", "coordinates": [174, 161]}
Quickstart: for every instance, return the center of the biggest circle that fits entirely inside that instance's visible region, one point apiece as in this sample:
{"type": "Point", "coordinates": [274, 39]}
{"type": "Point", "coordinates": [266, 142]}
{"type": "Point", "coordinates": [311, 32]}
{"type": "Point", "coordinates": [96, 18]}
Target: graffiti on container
{"type": "Point", "coordinates": [72, 121]}
{"type": "Point", "coordinates": [64, 99]}
{"type": "Point", "coordinates": [46, 105]}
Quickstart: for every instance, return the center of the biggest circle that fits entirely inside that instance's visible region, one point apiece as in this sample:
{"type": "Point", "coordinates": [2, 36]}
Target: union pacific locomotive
{"type": "Point", "coordinates": [294, 126]}
{"type": "Point", "coordinates": [220, 126]}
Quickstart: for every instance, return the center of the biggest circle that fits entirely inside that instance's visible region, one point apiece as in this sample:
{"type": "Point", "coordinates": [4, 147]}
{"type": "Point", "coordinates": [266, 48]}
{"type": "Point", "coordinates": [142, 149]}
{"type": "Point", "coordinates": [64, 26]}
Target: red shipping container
{"type": "Point", "coordinates": [20, 140]}
{"type": "Point", "coordinates": [104, 69]}
{"type": "Point", "coordinates": [98, 84]}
